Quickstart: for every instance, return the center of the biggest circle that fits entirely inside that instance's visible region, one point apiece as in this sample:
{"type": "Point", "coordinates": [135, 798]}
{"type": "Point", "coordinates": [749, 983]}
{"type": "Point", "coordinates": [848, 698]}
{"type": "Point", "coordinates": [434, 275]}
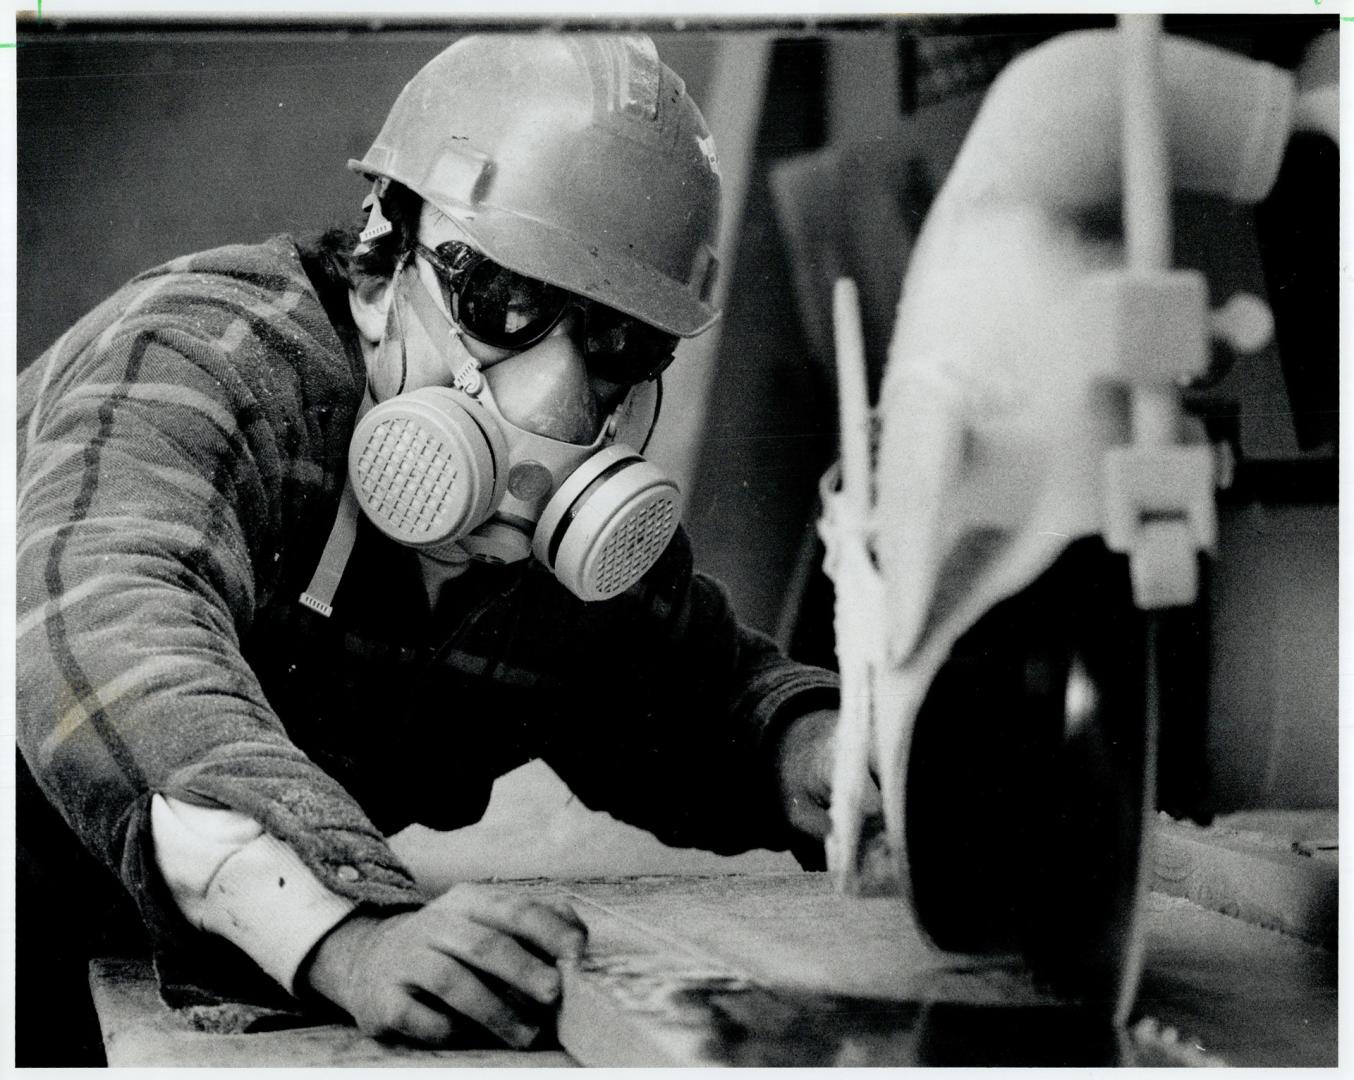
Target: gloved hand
{"type": "Point", "coordinates": [477, 952]}
{"type": "Point", "coordinates": [804, 756]}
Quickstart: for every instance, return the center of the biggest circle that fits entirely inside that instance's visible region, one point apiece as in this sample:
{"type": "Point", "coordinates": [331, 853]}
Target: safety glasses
{"type": "Point", "coordinates": [508, 310]}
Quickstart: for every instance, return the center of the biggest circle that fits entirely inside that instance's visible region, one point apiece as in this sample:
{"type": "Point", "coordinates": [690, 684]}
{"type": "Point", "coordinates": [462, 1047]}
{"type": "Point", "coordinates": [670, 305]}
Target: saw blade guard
{"type": "Point", "coordinates": [1046, 420]}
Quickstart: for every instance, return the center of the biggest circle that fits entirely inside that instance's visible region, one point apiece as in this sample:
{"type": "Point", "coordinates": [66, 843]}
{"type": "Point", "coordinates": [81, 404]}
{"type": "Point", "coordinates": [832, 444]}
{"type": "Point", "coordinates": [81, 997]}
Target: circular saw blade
{"type": "Point", "coordinates": [1030, 784]}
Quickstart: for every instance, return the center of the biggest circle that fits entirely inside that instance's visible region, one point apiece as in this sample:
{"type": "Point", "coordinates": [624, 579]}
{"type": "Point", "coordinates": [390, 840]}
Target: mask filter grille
{"type": "Point", "coordinates": [423, 468]}
{"type": "Point", "coordinates": [608, 524]}
{"type": "Point", "coordinates": [634, 547]}
{"type": "Point", "coordinates": [405, 475]}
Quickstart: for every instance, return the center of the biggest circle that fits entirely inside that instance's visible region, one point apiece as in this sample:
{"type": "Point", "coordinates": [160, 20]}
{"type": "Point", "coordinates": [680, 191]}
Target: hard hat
{"type": "Point", "coordinates": [577, 158]}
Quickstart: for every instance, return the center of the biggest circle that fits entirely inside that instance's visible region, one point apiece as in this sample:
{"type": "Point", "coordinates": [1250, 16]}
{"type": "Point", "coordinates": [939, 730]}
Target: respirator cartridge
{"type": "Point", "coordinates": [439, 469]}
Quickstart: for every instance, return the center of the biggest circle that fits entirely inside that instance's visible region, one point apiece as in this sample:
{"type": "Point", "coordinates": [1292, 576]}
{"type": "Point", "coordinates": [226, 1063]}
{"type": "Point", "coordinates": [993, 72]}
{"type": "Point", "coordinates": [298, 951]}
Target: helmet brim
{"type": "Point", "coordinates": [541, 250]}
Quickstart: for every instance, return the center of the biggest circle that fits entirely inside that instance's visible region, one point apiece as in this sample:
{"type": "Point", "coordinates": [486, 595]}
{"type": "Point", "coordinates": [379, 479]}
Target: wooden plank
{"type": "Point", "coordinates": [776, 970]}
{"type": "Point", "coordinates": [789, 930]}
{"type": "Point", "coordinates": [1262, 878]}
{"type": "Point", "coordinates": [1237, 992]}
{"type": "Point", "coordinates": [779, 970]}
{"type": "Point", "coordinates": [641, 1009]}
{"type": "Point", "coordinates": [769, 970]}
{"type": "Point", "coordinates": [140, 1030]}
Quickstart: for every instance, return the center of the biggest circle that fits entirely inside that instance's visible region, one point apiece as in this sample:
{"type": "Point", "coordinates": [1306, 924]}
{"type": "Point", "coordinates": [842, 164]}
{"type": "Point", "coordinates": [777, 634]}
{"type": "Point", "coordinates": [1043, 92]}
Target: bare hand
{"type": "Point", "coordinates": [804, 759]}
{"type": "Point", "coordinates": [477, 952]}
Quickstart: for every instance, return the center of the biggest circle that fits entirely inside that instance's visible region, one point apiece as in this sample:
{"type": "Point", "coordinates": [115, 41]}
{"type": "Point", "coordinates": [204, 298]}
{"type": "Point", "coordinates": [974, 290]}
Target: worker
{"type": "Point", "coordinates": [241, 667]}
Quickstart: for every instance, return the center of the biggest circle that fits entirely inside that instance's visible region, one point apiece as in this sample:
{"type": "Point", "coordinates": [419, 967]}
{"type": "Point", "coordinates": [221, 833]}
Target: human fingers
{"type": "Point", "coordinates": [557, 932]}
{"type": "Point", "coordinates": [809, 815]}
{"type": "Point", "coordinates": [563, 908]}
{"type": "Point", "coordinates": [496, 953]}
{"type": "Point", "coordinates": [455, 987]}
{"type": "Point", "coordinates": [416, 1019]}
{"type": "Point", "coordinates": [385, 1009]}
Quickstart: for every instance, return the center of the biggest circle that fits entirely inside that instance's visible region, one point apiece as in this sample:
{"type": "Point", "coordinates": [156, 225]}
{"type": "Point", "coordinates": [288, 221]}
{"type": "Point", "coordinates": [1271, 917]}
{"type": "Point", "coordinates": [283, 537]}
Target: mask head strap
{"type": "Point", "coordinates": [392, 337]}
{"type": "Point", "coordinates": [377, 223]}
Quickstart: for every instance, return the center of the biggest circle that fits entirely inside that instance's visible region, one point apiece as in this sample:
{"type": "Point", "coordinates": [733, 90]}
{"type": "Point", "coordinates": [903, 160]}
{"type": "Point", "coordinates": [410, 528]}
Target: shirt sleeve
{"type": "Point", "coordinates": [178, 466]}
{"type": "Point", "coordinates": [684, 743]}
{"type": "Point", "coordinates": [231, 878]}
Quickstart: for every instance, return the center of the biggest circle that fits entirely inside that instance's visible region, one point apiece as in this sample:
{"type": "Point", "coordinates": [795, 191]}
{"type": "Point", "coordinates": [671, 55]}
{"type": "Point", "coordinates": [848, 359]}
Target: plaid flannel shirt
{"type": "Point", "coordinates": [181, 451]}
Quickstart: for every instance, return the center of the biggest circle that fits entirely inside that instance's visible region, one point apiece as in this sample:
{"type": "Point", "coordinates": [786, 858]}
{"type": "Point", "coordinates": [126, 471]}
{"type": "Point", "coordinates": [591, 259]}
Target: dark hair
{"type": "Point", "coordinates": [338, 255]}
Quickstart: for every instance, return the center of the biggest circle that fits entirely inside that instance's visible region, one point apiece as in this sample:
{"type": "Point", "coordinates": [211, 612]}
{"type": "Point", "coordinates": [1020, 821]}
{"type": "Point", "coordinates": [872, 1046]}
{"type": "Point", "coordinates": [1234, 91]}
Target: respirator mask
{"type": "Point", "coordinates": [453, 473]}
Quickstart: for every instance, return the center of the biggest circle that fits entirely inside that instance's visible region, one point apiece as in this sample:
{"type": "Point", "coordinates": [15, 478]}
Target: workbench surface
{"type": "Point", "coordinates": [668, 954]}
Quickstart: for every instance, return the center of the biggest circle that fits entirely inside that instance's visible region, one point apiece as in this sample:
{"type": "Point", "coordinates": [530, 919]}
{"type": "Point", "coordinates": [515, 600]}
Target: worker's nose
{"type": "Point", "coordinates": [546, 389]}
